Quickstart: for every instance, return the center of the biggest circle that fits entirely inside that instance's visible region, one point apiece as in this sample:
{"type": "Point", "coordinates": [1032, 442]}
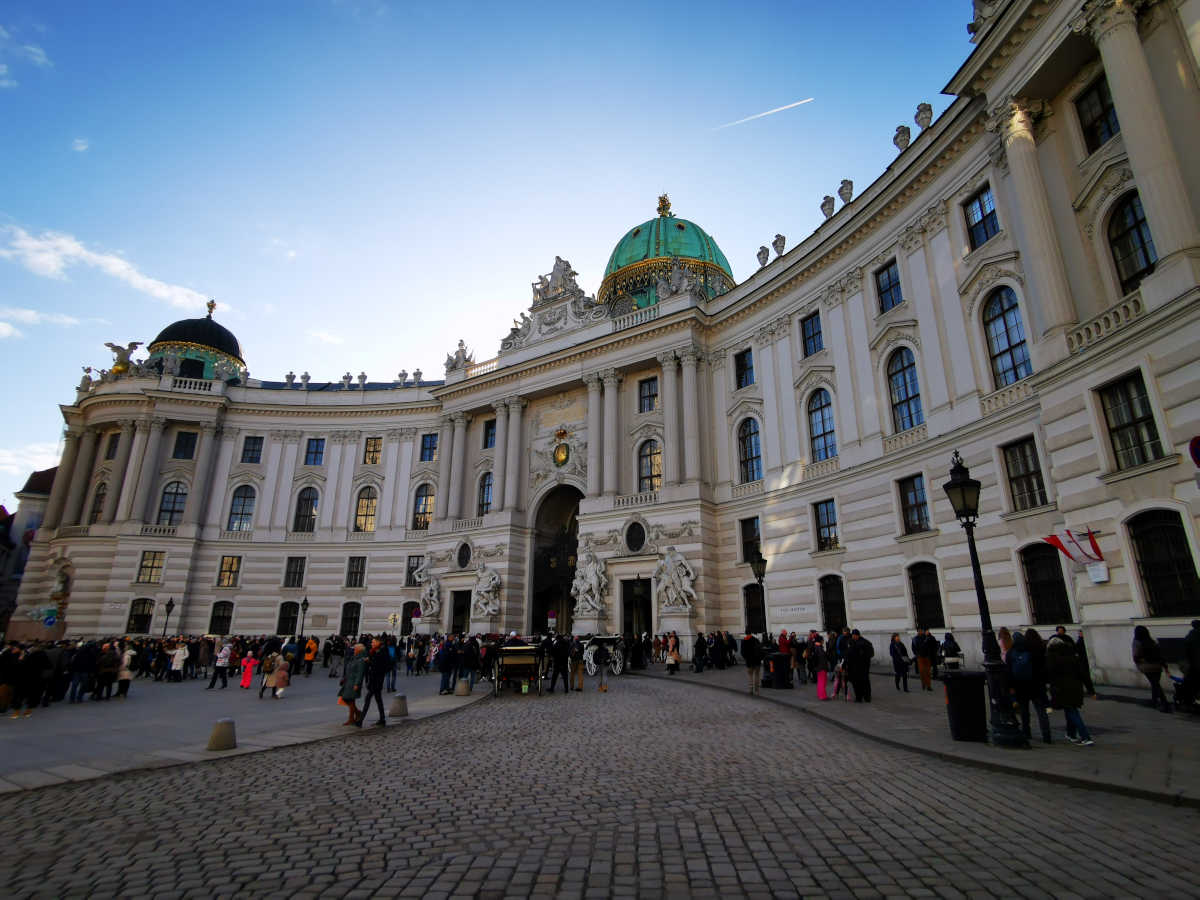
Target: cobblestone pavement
{"type": "Point", "coordinates": [653, 789]}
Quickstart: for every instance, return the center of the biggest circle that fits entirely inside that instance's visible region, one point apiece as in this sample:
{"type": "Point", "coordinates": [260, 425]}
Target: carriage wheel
{"type": "Point", "coordinates": [589, 660]}
{"type": "Point", "coordinates": [617, 665]}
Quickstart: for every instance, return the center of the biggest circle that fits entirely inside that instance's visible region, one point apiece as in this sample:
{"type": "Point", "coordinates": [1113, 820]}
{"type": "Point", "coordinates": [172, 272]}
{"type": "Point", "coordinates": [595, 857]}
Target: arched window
{"type": "Point", "coordinates": [98, 499]}
{"type": "Point", "coordinates": [485, 494]}
{"type": "Point", "coordinates": [749, 453]}
{"type": "Point", "coordinates": [351, 613]}
{"type": "Point", "coordinates": [141, 611]}
{"type": "Point", "coordinates": [174, 499]}
{"type": "Point", "coordinates": [649, 466]}
{"type": "Point", "coordinates": [306, 510]}
{"type": "Point", "coordinates": [756, 613]}
{"type": "Point", "coordinates": [905, 392]}
{"type": "Point", "coordinates": [364, 509]}
{"type": "Point", "coordinates": [422, 508]}
{"type": "Point", "coordinates": [833, 603]}
{"type": "Point", "coordinates": [820, 426]}
{"type": "Point", "coordinates": [927, 596]}
{"type": "Point", "coordinates": [221, 620]}
{"type": "Point", "coordinates": [1131, 243]}
{"type": "Point", "coordinates": [241, 510]}
{"type": "Point", "coordinates": [1044, 580]}
{"type": "Point", "coordinates": [289, 617]}
{"type": "Point", "coordinates": [1006, 338]}
{"type": "Point", "coordinates": [1165, 563]}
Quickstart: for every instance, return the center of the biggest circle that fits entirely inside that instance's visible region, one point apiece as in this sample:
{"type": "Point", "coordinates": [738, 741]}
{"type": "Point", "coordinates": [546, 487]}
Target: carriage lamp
{"type": "Point", "coordinates": [758, 565]}
{"type": "Point", "coordinates": [963, 491]}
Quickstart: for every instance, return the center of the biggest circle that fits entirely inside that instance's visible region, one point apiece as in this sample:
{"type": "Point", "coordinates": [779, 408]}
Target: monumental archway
{"type": "Point", "coordinates": [555, 539]}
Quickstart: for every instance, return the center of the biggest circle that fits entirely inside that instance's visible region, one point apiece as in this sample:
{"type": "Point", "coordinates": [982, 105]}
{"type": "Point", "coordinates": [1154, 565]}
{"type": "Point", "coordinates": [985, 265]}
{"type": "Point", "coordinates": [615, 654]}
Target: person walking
{"type": "Point", "coordinates": [576, 659]}
{"type": "Point", "coordinates": [900, 661]}
{"type": "Point", "coordinates": [699, 653]}
{"type": "Point", "coordinates": [125, 672]}
{"type": "Point", "coordinates": [248, 665]}
{"type": "Point", "coordinates": [310, 655]}
{"type": "Point", "coordinates": [560, 651]}
{"type": "Point", "coordinates": [379, 663]}
{"type": "Point", "coordinates": [820, 661]}
{"type": "Point", "coordinates": [602, 657]}
{"type": "Point", "coordinates": [83, 668]}
{"type": "Point", "coordinates": [1189, 691]}
{"type": "Point", "coordinates": [283, 678]}
{"type": "Point", "coordinates": [221, 667]}
{"type": "Point", "coordinates": [1037, 689]}
{"type": "Point", "coordinates": [1066, 687]}
{"type": "Point", "coordinates": [352, 682]}
{"type": "Point", "coordinates": [107, 667]}
{"type": "Point", "coordinates": [1148, 658]}
{"type": "Point", "coordinates": [270, 663]}
{"type": "Point", "coordinates": [752, 653]}
{"type": "Point", "coordinates": [858, 666]}
{"type": "Point", "coordinates": [673, 658]}
{"type": "Point", "coordinates": [925, 649]}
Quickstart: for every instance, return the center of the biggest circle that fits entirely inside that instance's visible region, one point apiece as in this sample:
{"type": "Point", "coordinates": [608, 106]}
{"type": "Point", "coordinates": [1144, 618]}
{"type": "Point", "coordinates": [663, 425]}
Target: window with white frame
{"type": "Point", "coordinates": [1130, 421]}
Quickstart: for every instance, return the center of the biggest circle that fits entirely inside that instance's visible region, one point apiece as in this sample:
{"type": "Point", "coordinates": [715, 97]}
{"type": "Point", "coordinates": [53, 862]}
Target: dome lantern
{"type": "Point", "coordinates": [198, 348]}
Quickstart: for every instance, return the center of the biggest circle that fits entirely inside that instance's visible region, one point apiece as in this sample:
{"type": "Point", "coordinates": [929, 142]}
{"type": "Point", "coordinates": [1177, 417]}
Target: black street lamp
{"type": "Point", "coordinates": [758, 565]}
{"type": "Point", "coordinates": [170, 609]}
{"type": "Point", "coordinates": [303, 613]}
{"type": "Point", "coordinates": [963, 491]}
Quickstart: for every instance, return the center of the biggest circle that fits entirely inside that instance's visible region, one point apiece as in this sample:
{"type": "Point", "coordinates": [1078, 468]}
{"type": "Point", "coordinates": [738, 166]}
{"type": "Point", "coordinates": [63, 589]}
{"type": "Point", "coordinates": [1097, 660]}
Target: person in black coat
{"type": "Point", "coordinates": [379, 663]}
{"type": "Point", "coordinates": [560, 650]}
{"type": "Point", "coordinates": [752, 653]}
{"type": "Point", "coordinates": [859, 652]}
{"type": "Point", "coordinates": [900, 661]}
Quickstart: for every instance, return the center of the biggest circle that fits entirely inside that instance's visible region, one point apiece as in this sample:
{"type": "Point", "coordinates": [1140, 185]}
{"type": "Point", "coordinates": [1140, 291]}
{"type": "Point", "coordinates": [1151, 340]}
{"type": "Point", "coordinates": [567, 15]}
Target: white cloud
{"type": "Point", "coordinates": [326, 337]}
{"type": "Point", "coordinates": [35, 55]}
{"type": "Point", "coordinates": [5, 81]}
{"type": "Point", "coordinates": [51, 253]}
{"type": "Point", "coordinates": [79, 145]}
{"type": "Point", "coordinates": [34, 317]}
{"type": "Point", "coordinates": [30, 458]}
{"type": "Point", "coordinates": [7, 331]}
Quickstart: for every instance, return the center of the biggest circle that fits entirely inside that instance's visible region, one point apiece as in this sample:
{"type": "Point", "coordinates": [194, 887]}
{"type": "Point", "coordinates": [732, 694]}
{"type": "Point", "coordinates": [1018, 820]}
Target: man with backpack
{"type": "Point", "coordinates": [925, 649]}
{"type": "Point", "coordinates": [858, 666]}
{"type": "Point", "coordinates": [752, 653]}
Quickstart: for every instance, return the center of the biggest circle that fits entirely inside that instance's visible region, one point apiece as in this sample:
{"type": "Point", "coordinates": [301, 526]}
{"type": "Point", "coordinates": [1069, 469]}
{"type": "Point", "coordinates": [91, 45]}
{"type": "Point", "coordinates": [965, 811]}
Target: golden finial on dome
{"type": "Point", "coordinates": [664, 205]}
{"type": "Point", "coordinates": [212, 307]}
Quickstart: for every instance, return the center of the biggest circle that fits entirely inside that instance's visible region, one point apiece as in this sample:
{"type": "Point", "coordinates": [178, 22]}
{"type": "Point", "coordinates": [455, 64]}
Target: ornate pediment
{"type": "Point", "coordinates": [986, 274]}
{"type": "Point", "coordinates": [745, 406]}
{"type": "Point", "coordinates": [247, 475]}
{"type": "Point", "coordinates": [559, 306]}
{"type": "Point", "coordinates": [1113, 177]}
{"type": "Point", "coordinates": [814, 377]}
{"type": "Point", "coordinates": [906, 328]}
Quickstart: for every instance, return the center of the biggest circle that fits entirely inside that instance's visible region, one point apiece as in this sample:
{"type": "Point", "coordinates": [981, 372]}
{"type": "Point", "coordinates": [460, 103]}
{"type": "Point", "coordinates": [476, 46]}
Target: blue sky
{"type": "Point", "coordinates": [360, 183]}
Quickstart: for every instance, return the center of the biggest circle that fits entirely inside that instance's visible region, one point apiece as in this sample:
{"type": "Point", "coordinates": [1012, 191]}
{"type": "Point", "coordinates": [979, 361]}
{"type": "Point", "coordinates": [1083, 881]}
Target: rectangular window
{"type": "Point", "coordinates": [825, 515]}
{"type": "Point", "coordinates": [110, 449]}
{"type": "Point", "coordinates": [1024, 475]}
{"type": "Point", "coordinates": [489, 434]}
{"type": "Point", "coordinates": [252, 448]}
{"type": "Point", "coordinates": [913, 507]}
{"type": "Point", "coordinates": [1097, 115]}
{"type": "Point", "coordinates": [648, 395]}
{"type": "Point", "coordinates": [356, 572]}
{"type": "Point", "coordinates": [981, 218]}
{"type": "Point", "coordinates": [751, 540]}
{"type": "Point", "coordinates": [151, 568]}
{"type": "Point", "coordinates": [410, 570]}
{"type": "Point", "coordinates": [231, 571]}
{"type": "Point", "coordinates": [1130, 422]}
{"type": "Point", "coordinates": [743, 368]}
{"type": "Point", "coordinates": [373, 451]}
{"type": "Point", "coordinates": [810, 329]}
{"type": "Point", "coordinates": [429, 447]}
{"type": "Point", "coordinates": [314, 452]}
{"type": "Point", "coordinates": [293, 572]}
{"type": "Point", "coordinates": [887, 283]}
{"type": "Point", "coordinates": [185, 445]}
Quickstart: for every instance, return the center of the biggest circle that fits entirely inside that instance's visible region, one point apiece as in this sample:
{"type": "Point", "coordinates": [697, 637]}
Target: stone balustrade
{"type": "Point", "coordinates": [905, 439]}
{"type": "Point", "coordinates": [1112, 319]}
{"type": "Point", "coordinates": [747, 489]}
{"type": "Point", "coordinates": [1005, 397]}
{"type": "Point", "coordinates": [637, 317]}
{"type": "Point", "coordinates": [642, 498]}
{"type": "Point", "coordinates": [467, 524]}
{"type": "Point", "coordinates": [158, 531]}
{"type": "Point", "coordinates": [822, 468]}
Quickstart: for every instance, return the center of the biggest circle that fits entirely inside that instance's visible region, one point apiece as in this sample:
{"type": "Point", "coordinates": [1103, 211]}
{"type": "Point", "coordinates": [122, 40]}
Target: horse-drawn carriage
{"type": "Point", "coordinates": [518, 664]}
{"type": "Point", "coordinates": [617, 655]}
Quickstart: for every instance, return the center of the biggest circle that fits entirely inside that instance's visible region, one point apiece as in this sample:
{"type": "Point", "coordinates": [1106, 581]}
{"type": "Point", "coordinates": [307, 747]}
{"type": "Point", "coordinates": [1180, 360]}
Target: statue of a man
{"type": "Point", "coordinates": [589, 585]}
{"type": "Point", "coordinates": [485, 597]}
{"type": "Point", "coordinates": [674, 580]}
{"type": "Point", "coordinates": [431, 597]}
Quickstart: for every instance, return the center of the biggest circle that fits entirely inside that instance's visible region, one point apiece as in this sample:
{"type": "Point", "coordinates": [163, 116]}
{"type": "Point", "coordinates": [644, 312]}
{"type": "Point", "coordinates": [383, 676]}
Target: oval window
{"type": "Point", "coordinates": [464, 555]}
{"type": "Point", "coordinates": [635, 537]}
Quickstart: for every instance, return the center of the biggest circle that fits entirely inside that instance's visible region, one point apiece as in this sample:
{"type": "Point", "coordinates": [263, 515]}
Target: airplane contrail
{"type": "Point", "coordinates": [769, 112]}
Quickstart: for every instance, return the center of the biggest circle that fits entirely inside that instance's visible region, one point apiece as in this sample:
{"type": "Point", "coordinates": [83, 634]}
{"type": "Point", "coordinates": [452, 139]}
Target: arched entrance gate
{"type": "Point", "coordinates": [555, 540]}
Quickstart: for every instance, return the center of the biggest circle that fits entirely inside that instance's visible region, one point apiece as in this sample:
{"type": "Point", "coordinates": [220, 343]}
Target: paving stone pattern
{"type": "Point", "coordinates": [655, 789]}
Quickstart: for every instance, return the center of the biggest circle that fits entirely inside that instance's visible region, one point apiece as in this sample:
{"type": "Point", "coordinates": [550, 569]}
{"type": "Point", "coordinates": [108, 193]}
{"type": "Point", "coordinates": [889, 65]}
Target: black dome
{"type": "Point", "coordinates": [203, 331]}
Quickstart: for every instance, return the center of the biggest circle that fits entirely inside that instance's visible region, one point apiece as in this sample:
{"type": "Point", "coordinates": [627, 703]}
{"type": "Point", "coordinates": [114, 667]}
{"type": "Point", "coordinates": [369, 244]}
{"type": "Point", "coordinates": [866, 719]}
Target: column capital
{"type": "Point", "coordinates": [689, 355]}
{"type": "Point", "coordinates": [401, 434]}
{"type": "Point", "coordinates": [127, 423]}
{"type": "Point", "coordinates": [666, 358]}
{"type": "Point", "coordinates": [158, 423]}
{"type": "Point", "coordinates": [229, 432]}
{"type": "Point", "coordinates": [208, 429]}
{"type": "Point", "coordinates": [1099, 18]}
{"type": "Point", "coordinates": [611, 378]}
{"type": "Point", "coordinates": [73, 433]}
{"type": "Point", "coordinates": [716, 358]}
{"type": "Point", "coordinates": [460, 419]}
{"type": "Point", "coordinates": [1015, 117]}
{"type": "Point", "coordinates": [500, 407]}
{"type": "Point", "coordinates": [593, 381]}
{"type": "Point", "coordinates": [516, 403]}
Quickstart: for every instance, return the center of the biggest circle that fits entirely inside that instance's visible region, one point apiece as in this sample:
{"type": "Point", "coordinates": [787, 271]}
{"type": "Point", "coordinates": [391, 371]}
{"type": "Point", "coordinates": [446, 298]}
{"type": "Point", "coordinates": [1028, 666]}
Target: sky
{"type": "Point", "coordinates": [361, 183]}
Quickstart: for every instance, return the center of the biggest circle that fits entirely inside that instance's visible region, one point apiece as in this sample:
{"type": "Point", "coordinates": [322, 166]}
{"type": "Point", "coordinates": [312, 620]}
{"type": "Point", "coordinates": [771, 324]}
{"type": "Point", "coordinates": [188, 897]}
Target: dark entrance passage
{"type": "Point", "coordinates": [756, 613]}
{"type": "Point", "coordinates": [462, 611]}
{"type": "Point", "coordinates": [406, 616]}
{"type": "Point", "coordinates": [556, 537]}
{"type": "Point", "coordinates": [635, 607]}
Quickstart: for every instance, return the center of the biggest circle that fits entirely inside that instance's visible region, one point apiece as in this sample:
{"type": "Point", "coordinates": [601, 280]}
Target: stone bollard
{"type": "Point", "coordinates": [223, 736]}
{"type": "Point", "coordinates": [399, 707]}
{"type": "Point", "coordinates": [462, 688]}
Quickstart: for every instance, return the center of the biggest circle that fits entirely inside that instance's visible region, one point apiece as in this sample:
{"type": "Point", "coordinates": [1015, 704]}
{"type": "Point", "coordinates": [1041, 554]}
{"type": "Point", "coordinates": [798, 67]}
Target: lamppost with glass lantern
{"type": "Point", "coordinates": [963, 491]}
{"type": "Point", "coordinates": [303, 613]}
{"type": "Point", "coordinates": [170, 609]}
{"type": "Point", "coordinates": [758, 566]}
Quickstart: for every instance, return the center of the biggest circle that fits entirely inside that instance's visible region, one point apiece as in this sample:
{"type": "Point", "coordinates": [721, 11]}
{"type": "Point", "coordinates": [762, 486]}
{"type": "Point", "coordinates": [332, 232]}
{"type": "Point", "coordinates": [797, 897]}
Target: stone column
{"type": "Point", "coordinates": [612, 430]}
{"type": "Point", "coordinates": [691, 415]}
{"type": "Point", "coordinates": [198, 495]}
{"type": "Point", "coordinates": [137, 453]}
{"type": "Point", "coordinates": [670, 411]}
{"type": "Point", "coordinates": [288, 453]}
{"type": "Point", "coordinates": [148, 475]}
{"type": "Point", "coordinates": [1041, 255]}
{"type": "Point", "coordinates": [500, 461]}
{"type": "Point", "coordinates": [328, 496]}
{"type": "Point", "coordinates": [764, 373]}
{"type": "Point", "coordinates": [407, 449]}
{"type": "Point", "coordinates": [116, 481]}
{"type": "Point", "coordinates": [445, 444]}
{"type": "Point", "coordinates": [1112, 24]}
{"type": "Point", "coordinates": [62, 479]}
{"type": "Point", "coordinates": [512, 478]}
{"type": "Point", "coordinates": [345, 500]}
{"type": "Point", "coordinates": [387, 500]}
{"type": "Point", "coordinates": [225, 441]}
{"type": "Point", "coordinates": [457, 465]}
{"type": "Point", "coordinates": [80, 475]}
{"type": "Point", "coordinates": [595, 433]}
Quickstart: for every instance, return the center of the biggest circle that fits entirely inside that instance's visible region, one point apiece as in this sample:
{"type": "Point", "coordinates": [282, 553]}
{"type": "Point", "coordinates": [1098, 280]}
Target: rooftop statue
{"type": "Point", "coordinates": [460, 358]}
{"type": "Point", "coordinates": [121, 355]}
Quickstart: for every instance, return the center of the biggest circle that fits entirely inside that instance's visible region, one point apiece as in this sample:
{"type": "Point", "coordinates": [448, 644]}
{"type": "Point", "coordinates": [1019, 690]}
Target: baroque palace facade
{"type": "Point", "coordinates": [1020, 285]}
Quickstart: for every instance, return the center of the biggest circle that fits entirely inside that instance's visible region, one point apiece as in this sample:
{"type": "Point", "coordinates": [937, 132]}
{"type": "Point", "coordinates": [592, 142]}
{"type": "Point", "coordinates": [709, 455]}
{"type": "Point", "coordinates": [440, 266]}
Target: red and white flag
{"type": "Point", "coordinates": [1076, 547]}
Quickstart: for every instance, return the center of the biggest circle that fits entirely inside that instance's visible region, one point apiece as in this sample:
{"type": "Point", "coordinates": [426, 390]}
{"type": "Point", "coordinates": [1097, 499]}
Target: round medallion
{"type": "Point", "coordinates": [635, 537]}
{"type": "Point", "coordinates": [562, 453]}
{"type": "Point", "coordinates": [464, 555]}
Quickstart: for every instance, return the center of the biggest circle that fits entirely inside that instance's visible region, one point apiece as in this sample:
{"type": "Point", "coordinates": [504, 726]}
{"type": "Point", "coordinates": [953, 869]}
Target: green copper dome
{"type": "Point", "coordinates": [650, 251]}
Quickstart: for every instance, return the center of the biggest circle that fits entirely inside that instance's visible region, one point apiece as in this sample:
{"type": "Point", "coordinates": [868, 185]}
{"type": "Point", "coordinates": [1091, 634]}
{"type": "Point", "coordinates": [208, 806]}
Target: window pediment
{"type": "Point", "coordinates": [1113, 177]}
{"type": "Point", "coordinates": [247, 472]}
{"type": "Point", "coordinates": [985, 276]}
{"type": "Point", "coordinates": [816, 376]}
{"type": "Point", "coordinates": [745, 406]}
{"type": "Point", "coordinates": [899, 329]}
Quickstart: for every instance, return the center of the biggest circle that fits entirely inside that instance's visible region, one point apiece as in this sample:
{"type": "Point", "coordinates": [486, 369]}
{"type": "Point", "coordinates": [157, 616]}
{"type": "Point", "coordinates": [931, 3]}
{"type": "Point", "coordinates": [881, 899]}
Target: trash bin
{"type": "Point", "coordinates": [966, 705]}
{"type": "Point", "coordinates": [780, 667]}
